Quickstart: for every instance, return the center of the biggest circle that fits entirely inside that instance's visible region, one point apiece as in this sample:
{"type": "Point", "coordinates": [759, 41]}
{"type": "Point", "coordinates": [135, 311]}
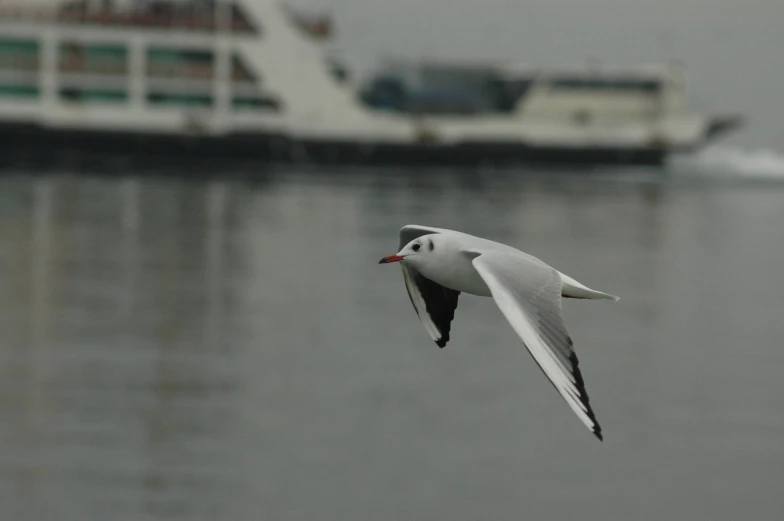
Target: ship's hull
{"type": "Point", "coordinates": [37, 142]}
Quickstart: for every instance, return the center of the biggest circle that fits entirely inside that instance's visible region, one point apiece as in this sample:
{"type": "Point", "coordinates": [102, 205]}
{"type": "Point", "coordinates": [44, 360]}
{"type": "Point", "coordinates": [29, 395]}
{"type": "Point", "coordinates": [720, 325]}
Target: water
{"type": "Point", "coordinates": [734, 163]}
{"type": "Point", "coordinates": [229, 349]}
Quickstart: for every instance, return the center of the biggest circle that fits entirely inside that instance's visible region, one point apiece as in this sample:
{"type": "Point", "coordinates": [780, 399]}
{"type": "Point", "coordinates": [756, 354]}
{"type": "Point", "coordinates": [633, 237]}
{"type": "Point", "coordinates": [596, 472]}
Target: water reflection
{"type": "Point", "coordinates": [216, 349]}
{"type": "Point", "coordinates": [118, 398]}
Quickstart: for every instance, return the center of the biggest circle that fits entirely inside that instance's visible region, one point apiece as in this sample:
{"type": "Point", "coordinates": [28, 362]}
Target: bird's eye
{"type": "Point", "coordinates": [415, 247]}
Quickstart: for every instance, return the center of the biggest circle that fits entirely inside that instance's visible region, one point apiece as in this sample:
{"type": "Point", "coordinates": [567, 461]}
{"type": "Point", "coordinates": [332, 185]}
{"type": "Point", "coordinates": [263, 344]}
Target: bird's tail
{"type": "Point", "coordinates": [570, 288]}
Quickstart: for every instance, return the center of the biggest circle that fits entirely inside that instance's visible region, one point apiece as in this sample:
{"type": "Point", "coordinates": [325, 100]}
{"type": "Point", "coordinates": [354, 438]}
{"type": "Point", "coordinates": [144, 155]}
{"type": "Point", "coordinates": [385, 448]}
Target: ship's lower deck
{"type": "Point", "coordinates": [34, 140]}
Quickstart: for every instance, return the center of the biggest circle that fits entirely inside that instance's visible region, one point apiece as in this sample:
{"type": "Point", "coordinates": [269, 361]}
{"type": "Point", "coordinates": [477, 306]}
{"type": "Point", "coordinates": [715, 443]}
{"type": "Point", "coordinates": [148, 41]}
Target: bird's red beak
{"type": "Point", "coordinates": [391, 258]}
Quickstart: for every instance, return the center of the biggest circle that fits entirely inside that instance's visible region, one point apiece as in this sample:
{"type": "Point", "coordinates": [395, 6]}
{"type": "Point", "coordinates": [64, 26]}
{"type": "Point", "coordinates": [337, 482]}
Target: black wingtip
{"type": "Point", "coordinates": [580, 383]}
{"type": "Point", "coordinates": [441, 342]}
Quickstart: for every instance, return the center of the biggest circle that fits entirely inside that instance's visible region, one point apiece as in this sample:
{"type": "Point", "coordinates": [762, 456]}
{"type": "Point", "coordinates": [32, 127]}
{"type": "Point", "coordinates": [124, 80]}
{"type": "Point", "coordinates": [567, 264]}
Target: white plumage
{"type": "Point", "coordinates": [440, 264]}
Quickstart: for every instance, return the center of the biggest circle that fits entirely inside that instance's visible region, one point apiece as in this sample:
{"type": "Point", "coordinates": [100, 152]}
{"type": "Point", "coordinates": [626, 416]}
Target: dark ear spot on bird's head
{"type": "Point", "coordinates": [430, 244]}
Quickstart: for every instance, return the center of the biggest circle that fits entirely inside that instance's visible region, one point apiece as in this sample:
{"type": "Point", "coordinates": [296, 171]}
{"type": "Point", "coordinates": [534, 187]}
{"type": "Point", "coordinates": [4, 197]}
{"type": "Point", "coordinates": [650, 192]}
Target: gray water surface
{"type": "Point", "coordinates": [202, 349]}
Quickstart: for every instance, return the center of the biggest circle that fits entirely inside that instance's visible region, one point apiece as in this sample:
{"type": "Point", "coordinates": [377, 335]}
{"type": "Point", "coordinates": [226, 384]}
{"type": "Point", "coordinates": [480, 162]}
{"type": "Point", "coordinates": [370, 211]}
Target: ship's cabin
{"type": "Point", "coordinates": [461, 90]}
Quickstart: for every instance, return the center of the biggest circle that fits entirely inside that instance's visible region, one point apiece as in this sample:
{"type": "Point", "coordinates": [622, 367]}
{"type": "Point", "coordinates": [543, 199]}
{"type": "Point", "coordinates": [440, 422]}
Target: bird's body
{"type": "Point", "coordinates": [440, 264]}
{"type": "Point", "coordinates": [453, 269]}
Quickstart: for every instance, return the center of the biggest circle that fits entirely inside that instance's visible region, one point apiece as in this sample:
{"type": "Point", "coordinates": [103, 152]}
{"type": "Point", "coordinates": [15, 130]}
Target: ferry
{"type": "Point", "coordinates": [257, 79]}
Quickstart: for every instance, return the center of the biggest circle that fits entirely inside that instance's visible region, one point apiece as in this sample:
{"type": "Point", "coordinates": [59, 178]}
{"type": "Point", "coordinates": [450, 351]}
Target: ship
{"type": "Point", "coordinates": [256, 79]}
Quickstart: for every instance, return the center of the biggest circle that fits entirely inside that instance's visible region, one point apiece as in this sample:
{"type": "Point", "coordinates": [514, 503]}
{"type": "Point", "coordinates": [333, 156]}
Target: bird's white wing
{"type": "Point", "coordinates": [528, 293]}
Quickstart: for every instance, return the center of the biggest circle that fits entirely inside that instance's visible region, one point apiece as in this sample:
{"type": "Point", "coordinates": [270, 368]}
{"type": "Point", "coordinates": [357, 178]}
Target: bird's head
{"type": "Point", "coordinates": [415, 252]}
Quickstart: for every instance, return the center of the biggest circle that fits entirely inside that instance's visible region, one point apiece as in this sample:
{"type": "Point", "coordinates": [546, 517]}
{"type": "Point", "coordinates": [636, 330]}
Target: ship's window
{"type": "Point", "coordinates": [93, 58]}
{"type": "Point", "coordinates": [180, 63]}
{"type": "Point", "coordinates": [265, 103]}
{"type": "Point", "coordinates": [240, 72]}
{"type": "Point", "coordinates": [19, 91]}
{"type": "Point", "coordinates": [506, 94]}
{"type": "Point", "coordinates": [93, 95]}
{"type": "Point", "coordinates": [18, 45]}
{"type": "Point", "coordinates": [240, 23]}
{"type": "Point", "coordinates": [606, 84]}
{"type": "Point", "coordinates": [19, 54]}
{"type": "Point", "coordinates": [179, 99]}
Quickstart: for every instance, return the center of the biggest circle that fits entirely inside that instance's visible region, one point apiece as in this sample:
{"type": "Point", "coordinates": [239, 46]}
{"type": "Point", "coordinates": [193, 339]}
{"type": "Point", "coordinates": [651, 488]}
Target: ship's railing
{"type": "Point", "coordinates": [19, 63]}
{"type": "Point", "coordinates": [193, 20]}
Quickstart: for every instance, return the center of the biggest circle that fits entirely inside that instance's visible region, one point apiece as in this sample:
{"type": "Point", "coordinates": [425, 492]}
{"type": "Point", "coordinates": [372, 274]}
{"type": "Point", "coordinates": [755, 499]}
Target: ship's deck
{"type": "Point", "coordinates": [185, 19]}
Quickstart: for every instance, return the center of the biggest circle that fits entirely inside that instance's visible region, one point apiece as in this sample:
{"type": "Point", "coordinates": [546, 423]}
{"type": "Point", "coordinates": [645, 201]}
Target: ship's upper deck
{"type": "Point", "coordinates": [200, 16]}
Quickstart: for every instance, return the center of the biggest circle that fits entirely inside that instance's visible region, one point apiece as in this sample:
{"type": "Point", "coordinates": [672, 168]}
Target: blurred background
{"type": "Point", "coordinates": [193, 324]}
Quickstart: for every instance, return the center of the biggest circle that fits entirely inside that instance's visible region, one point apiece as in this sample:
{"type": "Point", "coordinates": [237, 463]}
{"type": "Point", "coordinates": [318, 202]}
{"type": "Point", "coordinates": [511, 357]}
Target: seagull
{"type": "Point", "coordinates": [439, 264]}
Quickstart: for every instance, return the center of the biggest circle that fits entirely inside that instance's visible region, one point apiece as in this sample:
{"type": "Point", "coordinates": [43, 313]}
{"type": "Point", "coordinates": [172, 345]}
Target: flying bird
{"type": "Point", "coordinates": [439, 264]}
